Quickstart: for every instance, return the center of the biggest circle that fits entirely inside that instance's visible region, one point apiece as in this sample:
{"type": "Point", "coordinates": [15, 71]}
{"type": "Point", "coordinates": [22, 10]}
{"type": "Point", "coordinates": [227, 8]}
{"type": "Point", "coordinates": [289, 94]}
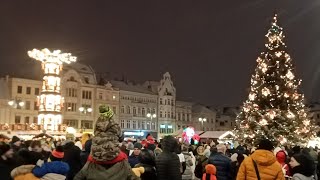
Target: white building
{"type": "Point", "coordinates": [184, 115]}
{"type": "Point", "coordinates": [203, 118]}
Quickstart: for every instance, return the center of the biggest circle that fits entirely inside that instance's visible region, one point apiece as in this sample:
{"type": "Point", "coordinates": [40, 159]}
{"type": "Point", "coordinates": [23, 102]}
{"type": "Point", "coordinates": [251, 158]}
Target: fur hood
{"type": "Point", "coordinates": [24, 169]}
{"type": "Point", "coordinates": [53, 176]}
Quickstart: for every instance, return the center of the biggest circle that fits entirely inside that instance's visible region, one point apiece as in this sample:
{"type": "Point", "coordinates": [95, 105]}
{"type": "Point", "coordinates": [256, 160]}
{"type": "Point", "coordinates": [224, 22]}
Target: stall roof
{"type": "Point", "coordinates": [179, 132]}
{"type": "Point", "coordinates": [216, 134]}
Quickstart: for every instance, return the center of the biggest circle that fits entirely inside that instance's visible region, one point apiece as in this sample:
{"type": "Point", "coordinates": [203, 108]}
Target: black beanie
{"type": "Point", "coordinates": [265, 144]}
{"type": "Point", "coordinates": [137, 145]}
{"type": "Point", "coordinates": [14, 139]}
{"type": "Point", "coordinates": [4, 148]}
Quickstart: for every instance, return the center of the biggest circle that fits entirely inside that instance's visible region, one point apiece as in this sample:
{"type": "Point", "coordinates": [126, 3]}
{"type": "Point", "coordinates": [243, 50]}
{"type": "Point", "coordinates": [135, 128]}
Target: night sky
{"type": "Point", "coordinates": [208, 46]}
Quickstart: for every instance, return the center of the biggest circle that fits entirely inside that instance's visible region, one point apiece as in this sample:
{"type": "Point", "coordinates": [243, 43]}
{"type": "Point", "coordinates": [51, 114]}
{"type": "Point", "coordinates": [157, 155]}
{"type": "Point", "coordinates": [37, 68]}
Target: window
{"type": "Point", "coordinates": [28, 91]}
{"type": "Point", "coordinates": [35, 120]}
{"type": "Point", "coordinates": [212, 120]}
{"type": "Point", "coordinates": [17, 119]}
{"type": "Point", "coordinates": [162, 128]}
{"type": "Point", "coordinates": [143, 111]}
{"type": "Point", "coordinates": [86, 94]}
{"type": "Point", "coordinates": [179, 127]}
{"type": "Point", "coordinates": [134, 110]}
{"type": "Point", "coordinates": [19, 90]}
{"type": "Point", "coordinates": [318, 116]}
{"type": "Point", "coordinates": [154, 111]}
{"type": "Point", "coordinates": [71, 107]}
{"type": "Point", "coordinates": [134, 124]}
{"type": "Point", "coordinates": [128, 110]}
{"type": "Point", "coordinates": [100, 95]}
{"type": "Point", "coordinates": [221, 123]}
{"type": "Point", "coordinates": [172, 116]}
{"type": "Point", "coordinates": [170, 129]}
{"type": "Point", "coordinates": [72, 123]}
{"type": "Point", "coordinates": [27, 119]}
{"type": "Point", "coordinates": [161, 114]}
{"type": "Point", "coordinates": [28, 105]}
{"type": "Point", "coordinates": [165, 102]}
{"type": "Point", "coordinates": [183, 117]}
{"type": "Point", "coordinates": [86, 124]}
{"type": "Point", "coordinates": [165, 114]}
{"type": "Point", "coordinates": [128, 124]}
{"type": "Point", "coordinates": [168, 101]}
{"type": "Point", "coordinates": [36, 91]}
{"type": "Point", "coordinates": [148, 125]}
{"type": "Point", "coordinates": [114, 109]}
{"type": "Point", "coordinates": [35, 106]}
{"type": "Point", "coordinates": [160, 100]}
{"type": "Point", "coordinates": [122, 109]}
{"type": "Point", "coordinates": [179, 117]}
{"type": "Point", "coordinates": [153, 126]}
{"type": "Point", "coordinates": [172, 102]}
{"type": "Point", "coordinates": [149, 110]}
{"type": "Point", "coordinates": [143, 125]}
{"type": "Point", "coordinates": [139, 110]}
{"type": "Point", "coordinates": [122, 124]}
{"type": "Point", "coordinates": [139, 124]}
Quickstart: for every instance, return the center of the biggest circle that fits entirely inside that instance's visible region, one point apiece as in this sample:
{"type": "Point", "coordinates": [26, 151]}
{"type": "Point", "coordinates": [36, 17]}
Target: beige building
{"type": "Point", "coordinates": [225, 119]}
{"type": "Point", "coordinates": [183, 115]}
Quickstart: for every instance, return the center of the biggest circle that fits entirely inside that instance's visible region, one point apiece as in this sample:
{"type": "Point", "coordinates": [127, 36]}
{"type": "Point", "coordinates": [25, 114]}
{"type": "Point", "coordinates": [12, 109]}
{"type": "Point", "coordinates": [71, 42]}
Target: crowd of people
{"type": "Point", "coordinates": [108, 156]}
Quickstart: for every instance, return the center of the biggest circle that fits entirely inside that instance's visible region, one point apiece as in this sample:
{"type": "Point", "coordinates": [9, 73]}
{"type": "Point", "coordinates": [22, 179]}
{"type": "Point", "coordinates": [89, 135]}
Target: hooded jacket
{"type": "Point", "coordinates": [223, 165]}
{"type": "Point", "coordinates": [168, 163]}
{"type": "Point", "coordinates": [281, 158]}
{"type": "Point", "coordinates": [210, 171]}
{"type": "Point", "coordinates": [55, 170]}
{"type": "Point", "coordinates": [268, 166]}
{"type": "Point", "coordinates": [23, 172]}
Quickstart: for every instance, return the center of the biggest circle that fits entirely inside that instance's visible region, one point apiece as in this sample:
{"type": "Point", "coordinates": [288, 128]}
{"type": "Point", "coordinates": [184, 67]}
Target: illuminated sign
{"type": "Point", "coordinates": [134, 133]}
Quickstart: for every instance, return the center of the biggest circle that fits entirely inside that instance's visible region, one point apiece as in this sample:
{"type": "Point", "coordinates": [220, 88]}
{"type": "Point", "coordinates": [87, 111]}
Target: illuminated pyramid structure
{"type": "Point", "coordinates": [50, 101]}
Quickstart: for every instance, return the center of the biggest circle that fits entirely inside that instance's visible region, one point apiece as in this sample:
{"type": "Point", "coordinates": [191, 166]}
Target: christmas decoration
{"type": "Point", "coordinates": [275, 108]}
{"type": "Point", "coordinates": [188, 134]}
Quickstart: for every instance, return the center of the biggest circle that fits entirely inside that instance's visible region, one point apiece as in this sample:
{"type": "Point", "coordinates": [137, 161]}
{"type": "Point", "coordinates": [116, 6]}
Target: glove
{"type": "Point", "coordinates": [138, 171]}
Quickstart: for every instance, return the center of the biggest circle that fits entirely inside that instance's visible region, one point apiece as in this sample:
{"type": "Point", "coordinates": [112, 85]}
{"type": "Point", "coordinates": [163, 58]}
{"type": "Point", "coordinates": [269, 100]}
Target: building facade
{"type": "Point", "coordinates": [203, 118]}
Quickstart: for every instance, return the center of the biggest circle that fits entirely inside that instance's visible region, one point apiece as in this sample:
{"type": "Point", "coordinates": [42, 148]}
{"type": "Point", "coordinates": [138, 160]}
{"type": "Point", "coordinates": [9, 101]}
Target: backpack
{"type": "Point", "coordinates": [198, 171]}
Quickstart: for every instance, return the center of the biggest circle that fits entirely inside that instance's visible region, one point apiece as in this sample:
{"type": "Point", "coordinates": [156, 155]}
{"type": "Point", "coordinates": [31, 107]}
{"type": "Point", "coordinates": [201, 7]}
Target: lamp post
{"type": "Point", "coordinates": [152, 116]}
{"type": "Point", "coordinates": [202, 120]}
{"type": "Point", "coordinates": [16, 103]}
{"type": "Point", "coordinates": [85, 110]}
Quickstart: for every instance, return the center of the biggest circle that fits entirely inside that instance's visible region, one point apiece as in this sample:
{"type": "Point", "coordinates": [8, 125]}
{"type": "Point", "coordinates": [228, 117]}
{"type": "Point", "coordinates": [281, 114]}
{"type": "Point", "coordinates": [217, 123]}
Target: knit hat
{"type": "Point", "coordinates": [211, 169]}
{"type": "Point", "coordinates": [4, 148]}
{"type": "Point", "coordinates": [105, 143]}
{"type": "Point", "coordinates": [137, 145]}
{"type": "Point", "coordinates": [265, 144]}
{"type": "Point", "coordinates": [57, 154]}
{"type": "Point", "coordinates": [15, 139]}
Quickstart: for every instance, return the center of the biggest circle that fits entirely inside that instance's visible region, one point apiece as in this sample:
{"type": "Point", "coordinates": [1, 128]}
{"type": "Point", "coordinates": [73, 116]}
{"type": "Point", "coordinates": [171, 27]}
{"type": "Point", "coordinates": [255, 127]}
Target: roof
{"type": "Point", "coordinates": [216, 134]}
{"type": "Point", "coordinates": [4, 89]}
{"type": "Point", "coordinates": [131, 87]}
{"type": "Point", "coordinates": [86, 73]}
{"type": "Point", "coordinates": [198, 108]}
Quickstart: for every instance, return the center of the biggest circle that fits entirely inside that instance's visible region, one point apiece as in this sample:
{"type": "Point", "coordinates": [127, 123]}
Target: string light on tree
{"type": "Point", "coordinates": [277, 110]}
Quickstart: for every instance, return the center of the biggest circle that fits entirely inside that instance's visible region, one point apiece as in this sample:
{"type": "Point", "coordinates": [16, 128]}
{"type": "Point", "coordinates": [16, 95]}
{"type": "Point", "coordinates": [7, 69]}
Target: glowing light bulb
{"type": "Point", "coordinates": [289, 75]}
{"type": "Point", "coordinates": [265, 91]}
{"type": "Point", "coordinates": [290, 115]}
{"type": "Point", "coordinates": [252, 96]}
{"type": "Point", "coordinates": [278, 54]}
{"type": "Point", "coordinates": [271, 114]}
{"type": "Point", "coordinates": [264, 67]}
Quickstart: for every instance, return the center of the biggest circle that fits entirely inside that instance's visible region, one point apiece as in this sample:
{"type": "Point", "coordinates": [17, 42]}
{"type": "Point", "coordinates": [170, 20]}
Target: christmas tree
{"type": "Point", "coordinates": [275, 108]}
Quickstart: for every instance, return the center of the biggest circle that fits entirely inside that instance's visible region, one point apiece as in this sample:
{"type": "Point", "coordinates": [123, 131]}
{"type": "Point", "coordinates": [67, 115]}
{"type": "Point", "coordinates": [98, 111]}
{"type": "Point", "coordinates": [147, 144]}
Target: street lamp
{"type": "Point", "coordinates": [202, 120]}
{"type": "Point", "coordinates": [16, 103]}
{"type": "Point", "coordinates": [151, 116]}
{"type": "Point", "coordinates": [85, 110]}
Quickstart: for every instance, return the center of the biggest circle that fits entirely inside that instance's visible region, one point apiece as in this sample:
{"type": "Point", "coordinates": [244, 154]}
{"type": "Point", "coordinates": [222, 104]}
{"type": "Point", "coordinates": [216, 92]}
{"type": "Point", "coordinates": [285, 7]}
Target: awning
{"type": "Point", "coordinates": [217, 134]}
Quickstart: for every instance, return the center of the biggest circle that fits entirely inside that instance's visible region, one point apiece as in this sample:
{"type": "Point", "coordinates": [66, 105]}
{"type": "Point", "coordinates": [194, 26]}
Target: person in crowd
{"type": "Point", "coordinates": [150, 143]}
{"type": "Point", "coordinates": [15, 144]}
{"type": "Point", "coordinates": [302, 166]}
{"type": "Point", "coordinates": [210, 173]}
{"type": "Point", "coordinates": [282, 159]}
{"type": "Point", "coordinates": [158, 150]}
{"type": "Point", "coordinates": [54, 168]}
{"type": "Point", "coordinates": [106, 160]}
{"type": "Point", "coordinates": [167, 163]}
{"type": "Point", "coordinates": [84, 154]}
{"type": "Point", "coordinates": [147, 161]}
{"type": "Point", "coordinates": [36, 146]}
{"type": "Point", "coordinates": [181, 159]}
{"type": "Point", "coordinates": [221, 162]}
{"type": "Point", "coordinates": [193, 158]}
{"type": "Point", "coordinates": [7, 163]}
{"type": "Point", "coordinates": [130, 148]}
{"type": "Point", "coordinates": [236, 160]}
{"type": "Point", "coordinates": [72, 158]}
{"type": "Point", "coordinates": [134, 158]}
{"type": "Point", "coordinates": [201, 162]}
{"type": "Point", "coordinates": [29, 160]}
{"type": "Point", "coordinates": [262, 163]}
{"type": "Point", "coordinates": [84, 138]}
{"type": "Point", "coordinates": [188, 173]}
{"type": "Point", "coordinates": [4, 138]}
{"type": "Point", "coordinates": [78, 143]}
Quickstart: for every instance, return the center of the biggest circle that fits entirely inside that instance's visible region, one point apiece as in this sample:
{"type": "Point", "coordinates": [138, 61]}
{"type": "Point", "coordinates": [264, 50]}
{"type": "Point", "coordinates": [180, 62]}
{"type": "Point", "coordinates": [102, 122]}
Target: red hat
{"type": "Point", "coordinates": [150, 139]}
{"type": "Point", "coordinates": [57, 154]}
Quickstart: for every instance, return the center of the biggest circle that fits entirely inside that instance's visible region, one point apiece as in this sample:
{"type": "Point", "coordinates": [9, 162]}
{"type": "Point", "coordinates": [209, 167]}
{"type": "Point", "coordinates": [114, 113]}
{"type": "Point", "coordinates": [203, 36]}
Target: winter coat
{"type": "Point", "coordinates": [149, 172]}
{"type": "Point", "coordinates": [6, 166]}
{"type": "Point", "coordinates": [23, 172]}
{"type": "Point", "coordinates": [56, 169]}
{"type": "Point", "coordinates": [133, 160]}
{"type": "Point", "coordinates": [200, 158]}
{"type": "Point", "coordinates": [85, 154]}
{"type": "Point", "coordinates": [168, 166]}
{"type": "Point", "coordinates": [281, 158]}
{"type": "Point", "coordinates": [118, 171]}
{"type": "Point", "coordinates": [72, 157]}
{"type": "Point", "coordinates": [188, 173]}
{"type": "Point", "coordinates": [299, 176]}
{"type": "Point", "coordinates": [223, 165]}
{"type": "Point", "coordinates": [268, 166]}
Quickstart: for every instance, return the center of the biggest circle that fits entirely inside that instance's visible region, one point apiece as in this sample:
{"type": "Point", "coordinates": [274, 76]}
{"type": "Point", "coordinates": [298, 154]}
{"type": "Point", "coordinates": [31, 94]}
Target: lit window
{"type": "Point", "coordinates": [122, 124]}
